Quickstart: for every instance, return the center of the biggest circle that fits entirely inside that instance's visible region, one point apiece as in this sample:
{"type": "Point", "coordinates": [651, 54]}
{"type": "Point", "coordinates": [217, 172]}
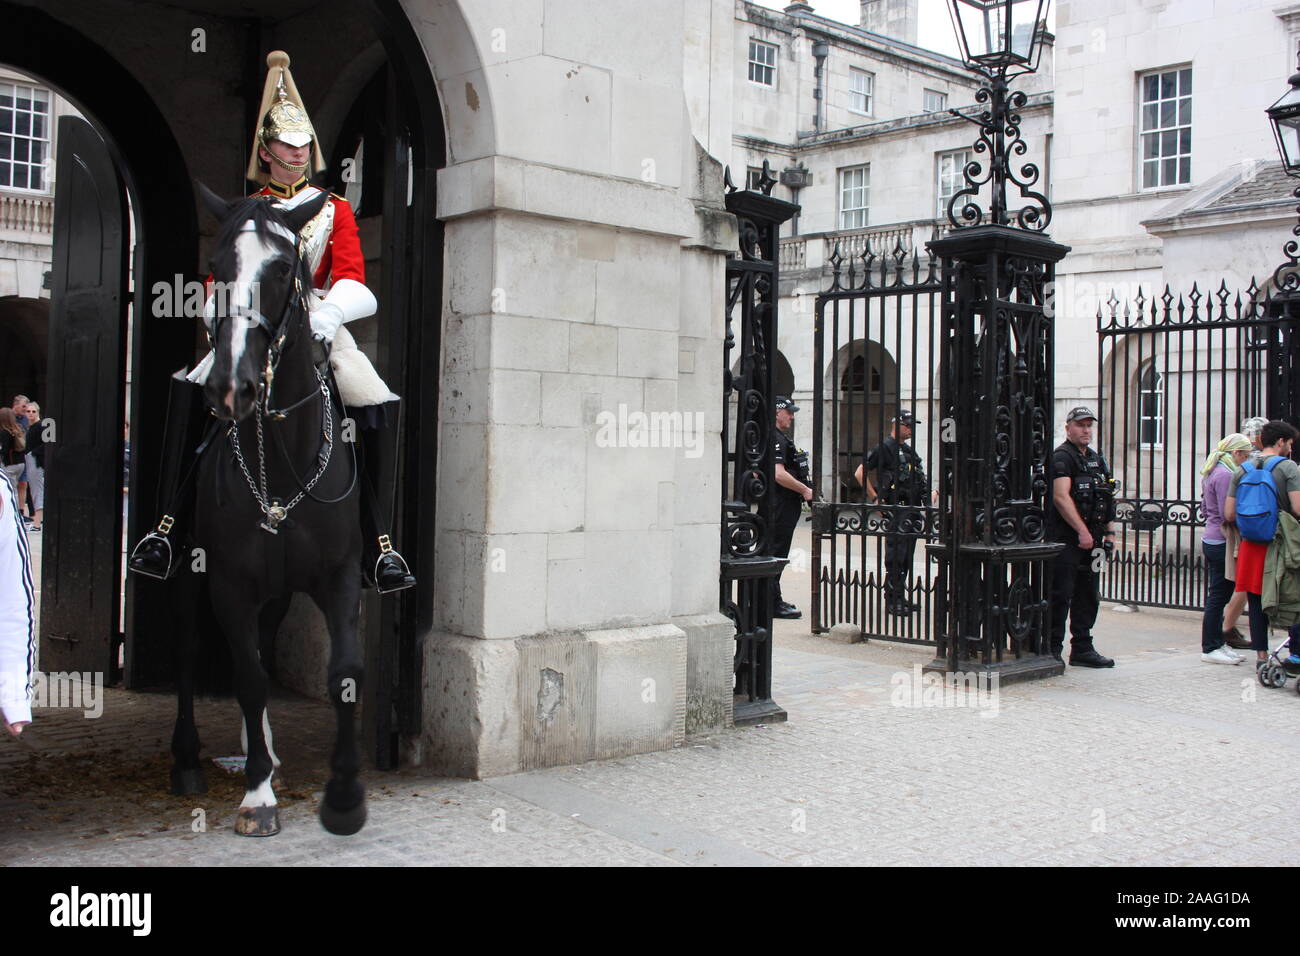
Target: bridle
{"type": "Point", "coordinates": [277, 334]}
{"type": "Point", "coordinates": [273, 511]}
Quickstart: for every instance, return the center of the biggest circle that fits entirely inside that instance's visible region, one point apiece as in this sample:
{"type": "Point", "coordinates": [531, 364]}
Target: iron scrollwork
{"type": "Point", "coordinates": [1286, 277]}
{"type": "Point", "coordinates": [1000, 139]}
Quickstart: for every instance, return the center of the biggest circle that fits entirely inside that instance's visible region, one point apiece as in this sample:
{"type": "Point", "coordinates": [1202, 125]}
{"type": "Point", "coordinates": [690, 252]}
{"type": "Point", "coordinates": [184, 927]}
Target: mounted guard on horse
{"type": "Point", "coordinates": [285, 147]}
{"type": "Point", "coordinates": [275, 491]}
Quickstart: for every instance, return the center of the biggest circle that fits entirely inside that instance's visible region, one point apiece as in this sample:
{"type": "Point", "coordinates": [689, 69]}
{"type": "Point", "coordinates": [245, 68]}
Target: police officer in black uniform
{"type": "Point", "coordinates": [1083, 493]}
{"type": "Point", "coordinates": [900, 480]}
{"type": "Point", "coordinates": [792, 491]}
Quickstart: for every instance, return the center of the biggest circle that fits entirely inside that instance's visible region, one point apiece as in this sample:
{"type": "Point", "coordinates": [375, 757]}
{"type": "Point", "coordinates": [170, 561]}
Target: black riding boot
{"type": "Point", "coordinates": [381, 566]}
{"type": "Point", "coordinates": [156, 555]}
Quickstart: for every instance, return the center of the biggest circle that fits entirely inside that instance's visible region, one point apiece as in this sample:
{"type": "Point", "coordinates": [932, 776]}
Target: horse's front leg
{"type": "Point", "coordinates": [343, 811]}
{"type": "Point", "coordinates": [237, 614]}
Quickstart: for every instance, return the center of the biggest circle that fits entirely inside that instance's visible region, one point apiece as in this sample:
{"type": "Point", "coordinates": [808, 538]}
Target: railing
{"type": "Point", "coordinates": [854, 243]}
{"type": "Point", "coordinates": [793, 253]}
{"type": "Point", "coordinates": [26, 213]}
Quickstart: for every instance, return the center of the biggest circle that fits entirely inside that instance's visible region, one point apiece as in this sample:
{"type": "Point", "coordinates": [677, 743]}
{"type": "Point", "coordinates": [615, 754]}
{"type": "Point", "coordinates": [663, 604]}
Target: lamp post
{"type": "Point", "coordinates": [1284, 115]}
{"type": "Point", "coordinates": [999, 40]}
{"type": "Point", "coordinates": [1283, 307]}
{"type": "Point", "coordinates": [996, 372]}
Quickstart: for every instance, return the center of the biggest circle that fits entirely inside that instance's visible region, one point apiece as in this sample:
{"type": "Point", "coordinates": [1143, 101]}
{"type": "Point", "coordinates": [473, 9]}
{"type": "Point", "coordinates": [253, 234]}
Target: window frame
{"type": "Point", "coordinates": [1158, 132]}
{"type": "Point", "coordinates": [1158, 419]}
{"type": "Point", "coordinates": [865, 209]}
{"type": "Point", "coordinates": [13, 136]}
{"type": "Point", "coordinates": [757, 44]}
{"type": "Point", "coordinates": [869, 93]}
{"type": "Point", "coordinates": [943, 105]}
{"type": "Point", "coordinates": [959, 181]}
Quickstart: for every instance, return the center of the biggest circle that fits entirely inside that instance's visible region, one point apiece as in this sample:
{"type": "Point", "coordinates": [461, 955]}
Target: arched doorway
{"type": "Point", "coordinates": [864, 378]}
{"type": "Point", "coordinates": [167, 116]}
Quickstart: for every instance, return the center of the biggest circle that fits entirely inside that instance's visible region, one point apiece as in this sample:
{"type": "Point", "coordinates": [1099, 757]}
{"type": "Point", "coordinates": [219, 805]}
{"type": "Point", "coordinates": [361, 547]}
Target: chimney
{"type": "Point", "coordinates": [896, 19]}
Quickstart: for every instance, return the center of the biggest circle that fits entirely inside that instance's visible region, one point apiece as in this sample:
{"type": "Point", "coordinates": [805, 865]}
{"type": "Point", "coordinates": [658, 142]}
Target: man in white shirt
{"type": "Point", "coordinates": [17, 614]}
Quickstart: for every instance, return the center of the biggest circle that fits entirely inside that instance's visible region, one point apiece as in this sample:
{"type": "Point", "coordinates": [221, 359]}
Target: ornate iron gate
{"type": "Point", "coordinates": [1176, 374]}
{"type": "Point", "coordinates": [876, 353]}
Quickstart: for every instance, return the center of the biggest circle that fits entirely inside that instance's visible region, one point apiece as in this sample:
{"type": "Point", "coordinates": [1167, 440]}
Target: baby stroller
{"type": "Point", "coordinates": [1275, 670]}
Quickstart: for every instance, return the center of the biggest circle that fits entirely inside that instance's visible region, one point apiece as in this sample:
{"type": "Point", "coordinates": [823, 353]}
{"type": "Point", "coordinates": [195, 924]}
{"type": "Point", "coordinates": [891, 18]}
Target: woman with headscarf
{"type": "Point", "coordinates": [1219, 468]}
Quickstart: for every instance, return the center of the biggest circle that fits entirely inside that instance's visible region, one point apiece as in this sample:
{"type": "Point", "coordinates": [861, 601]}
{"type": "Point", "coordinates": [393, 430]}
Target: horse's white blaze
{"type": "Point", "coordinates": [251, 253]}
{"type": "Point", "coordinates": [263, 796]}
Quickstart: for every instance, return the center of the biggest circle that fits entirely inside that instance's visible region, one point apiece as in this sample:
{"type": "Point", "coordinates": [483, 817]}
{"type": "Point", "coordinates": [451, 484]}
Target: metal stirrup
{"type": "Point", "coordinates": [161, 534]}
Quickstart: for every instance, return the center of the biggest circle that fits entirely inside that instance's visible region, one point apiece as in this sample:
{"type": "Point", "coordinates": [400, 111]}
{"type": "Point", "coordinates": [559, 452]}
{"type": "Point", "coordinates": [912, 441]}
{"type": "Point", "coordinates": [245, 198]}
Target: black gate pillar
{"type": "Point", "coordinates": [748, 484]}
{"type": "Point", "coordinates": [996, 391]}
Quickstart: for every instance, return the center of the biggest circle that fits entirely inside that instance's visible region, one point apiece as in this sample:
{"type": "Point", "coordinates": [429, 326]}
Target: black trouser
{"type": "Point", "coordinates": [1218, 591]}
{"type": "Point", "coordinates": [1074, 593]}
{"type": "Point", "coordinates": [899, 549]}
{"type": "Point", "coordinates": [786, 519]}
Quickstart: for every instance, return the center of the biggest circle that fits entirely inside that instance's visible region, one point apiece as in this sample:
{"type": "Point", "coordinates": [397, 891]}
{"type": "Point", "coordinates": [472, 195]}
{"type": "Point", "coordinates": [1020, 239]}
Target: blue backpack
{"type": "Point", "coordinates": [1257, 502]}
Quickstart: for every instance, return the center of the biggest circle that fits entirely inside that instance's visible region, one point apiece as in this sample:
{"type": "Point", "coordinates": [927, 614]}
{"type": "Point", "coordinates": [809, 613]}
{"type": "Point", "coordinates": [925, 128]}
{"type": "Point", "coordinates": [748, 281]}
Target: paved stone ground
{"type": "Point", "coordinates": [1163, 760]}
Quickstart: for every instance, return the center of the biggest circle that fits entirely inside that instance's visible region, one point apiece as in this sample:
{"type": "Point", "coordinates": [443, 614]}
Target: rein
{"type": "Point", "coordinates": [273, 510]}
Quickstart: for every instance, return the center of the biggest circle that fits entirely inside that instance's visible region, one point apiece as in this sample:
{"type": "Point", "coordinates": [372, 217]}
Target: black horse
{"type": "Point", "coordinates": [277, 509]}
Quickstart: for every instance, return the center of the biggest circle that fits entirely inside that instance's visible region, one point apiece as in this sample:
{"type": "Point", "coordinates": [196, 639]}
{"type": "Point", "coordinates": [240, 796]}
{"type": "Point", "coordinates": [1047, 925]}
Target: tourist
{"type": "Point", "coordinates": [1219, 468]}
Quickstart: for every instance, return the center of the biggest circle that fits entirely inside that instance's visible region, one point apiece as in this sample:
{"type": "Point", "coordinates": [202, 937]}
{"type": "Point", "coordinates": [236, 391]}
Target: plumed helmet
{"type": "Point", "coordinates": [283, 117]}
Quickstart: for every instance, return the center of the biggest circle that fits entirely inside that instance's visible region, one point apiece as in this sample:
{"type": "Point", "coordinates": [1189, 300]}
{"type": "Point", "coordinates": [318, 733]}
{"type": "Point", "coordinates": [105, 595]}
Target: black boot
{"type": "Point", "coordinates": [382, 567]}
{"type": "Point", "coordinates": [157, 553]}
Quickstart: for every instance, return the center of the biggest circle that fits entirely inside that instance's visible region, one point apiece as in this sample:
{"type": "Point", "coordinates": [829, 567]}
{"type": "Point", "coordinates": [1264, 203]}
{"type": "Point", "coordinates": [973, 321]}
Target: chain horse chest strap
{"type": "Point", "coordinates": [274, 512]}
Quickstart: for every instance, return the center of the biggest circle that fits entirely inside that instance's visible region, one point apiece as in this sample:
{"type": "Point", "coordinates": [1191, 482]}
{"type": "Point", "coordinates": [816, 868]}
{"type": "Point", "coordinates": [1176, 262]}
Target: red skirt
{"type": "Point", "coordinates": [1250, 567]}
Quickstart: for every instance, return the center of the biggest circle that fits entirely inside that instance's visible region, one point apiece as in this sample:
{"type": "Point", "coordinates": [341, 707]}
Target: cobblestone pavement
{"type": "Point", "coordinates": [1163, 760]}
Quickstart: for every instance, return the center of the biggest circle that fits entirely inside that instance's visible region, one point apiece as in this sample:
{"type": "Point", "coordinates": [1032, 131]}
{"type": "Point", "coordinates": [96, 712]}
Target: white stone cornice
{"type": "Point", "coordinates": [1290, 15]}
{"type": "Point", "coordinates": [504, 183]}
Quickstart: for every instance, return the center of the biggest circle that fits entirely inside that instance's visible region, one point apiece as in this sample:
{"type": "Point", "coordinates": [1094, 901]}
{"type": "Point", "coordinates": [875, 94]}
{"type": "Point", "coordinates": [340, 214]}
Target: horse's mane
{"type": "Point", "coordinates": [262, 214]}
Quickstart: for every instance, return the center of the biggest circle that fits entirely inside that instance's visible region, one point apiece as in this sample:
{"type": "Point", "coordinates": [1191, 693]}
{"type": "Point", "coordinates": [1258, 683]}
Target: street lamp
{"type": "Point", "coordinates": [999, 39]}
{"type": "Point", "coordinates": [996, 373]}
{"type": "Point", "coordinates": [999, 36]}
{"type": "Point", "coordinates": [1285, 117]}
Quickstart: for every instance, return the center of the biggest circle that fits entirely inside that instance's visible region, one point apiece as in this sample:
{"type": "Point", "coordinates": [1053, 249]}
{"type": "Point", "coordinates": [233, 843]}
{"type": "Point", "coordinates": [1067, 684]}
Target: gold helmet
{"type": "Point", "coordinates": [283, 118]}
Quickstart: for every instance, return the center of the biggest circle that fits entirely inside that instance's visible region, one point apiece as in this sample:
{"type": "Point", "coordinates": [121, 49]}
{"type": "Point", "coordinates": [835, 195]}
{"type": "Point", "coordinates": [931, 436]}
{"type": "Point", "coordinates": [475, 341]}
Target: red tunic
{"type": "Point", "coordinates": [342, 257]}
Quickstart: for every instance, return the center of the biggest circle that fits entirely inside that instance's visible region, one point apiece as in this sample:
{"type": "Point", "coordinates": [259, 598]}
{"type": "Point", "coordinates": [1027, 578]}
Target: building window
{"type": "Point", "coordinates": [24, 136]}
{"type": "Point", "coordinates": [762, 63]}
{"type": "Point", "coordinates": [754, 178]}
{"type": "Point", "coordinates": [855, 185]}
{"type": "Point", "coordinates": [932, 101]}
{"type": "Point", "coordinates": [861, 85]}
{"type": "Point", "coordinates": [1166, 128]}
{"type": "Point", "coordinates": [948, 177]}
{"type": "Point", "coordinates": [1151, 406]}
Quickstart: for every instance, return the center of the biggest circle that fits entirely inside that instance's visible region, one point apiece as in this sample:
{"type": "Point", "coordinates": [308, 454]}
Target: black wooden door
{"type": "Point", "coordinates": [81, 550]}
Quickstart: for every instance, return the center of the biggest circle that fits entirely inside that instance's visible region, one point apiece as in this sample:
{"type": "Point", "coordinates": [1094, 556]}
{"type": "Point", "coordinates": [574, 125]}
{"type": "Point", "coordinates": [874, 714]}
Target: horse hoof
{"type": "Point", "coordinates": [257, 821]}
{"type": "Point", "coordinates": [343, 822]}
{"type": "Point", "coordinates": [189, 781]}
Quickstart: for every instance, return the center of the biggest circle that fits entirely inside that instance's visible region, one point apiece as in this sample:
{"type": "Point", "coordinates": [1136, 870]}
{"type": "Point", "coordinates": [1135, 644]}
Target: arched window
{"type": "Point", "coordinates": [855, 377]}
{"type": "Point", "coordinates": [1151, 406]}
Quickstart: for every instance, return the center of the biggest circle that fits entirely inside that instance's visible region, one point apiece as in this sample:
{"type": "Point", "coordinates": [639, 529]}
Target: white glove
{"type": "Point", "coordinates": [325, 321]}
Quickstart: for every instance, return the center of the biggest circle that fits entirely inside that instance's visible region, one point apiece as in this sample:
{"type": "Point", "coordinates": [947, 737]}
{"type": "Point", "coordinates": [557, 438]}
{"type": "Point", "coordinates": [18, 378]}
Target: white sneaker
{"type": "Point", "coordinates": [1231, 653]}
{"type": "Point", "coordinates": [1221, 655]}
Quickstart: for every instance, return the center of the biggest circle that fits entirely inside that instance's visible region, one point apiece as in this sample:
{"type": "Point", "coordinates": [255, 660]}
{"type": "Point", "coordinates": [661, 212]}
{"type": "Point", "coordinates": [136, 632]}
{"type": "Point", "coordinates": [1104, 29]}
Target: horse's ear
{"type": "Point", "coordinates": [300, 215]}
{"type": "Point", "coordinates": [215, 204]}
